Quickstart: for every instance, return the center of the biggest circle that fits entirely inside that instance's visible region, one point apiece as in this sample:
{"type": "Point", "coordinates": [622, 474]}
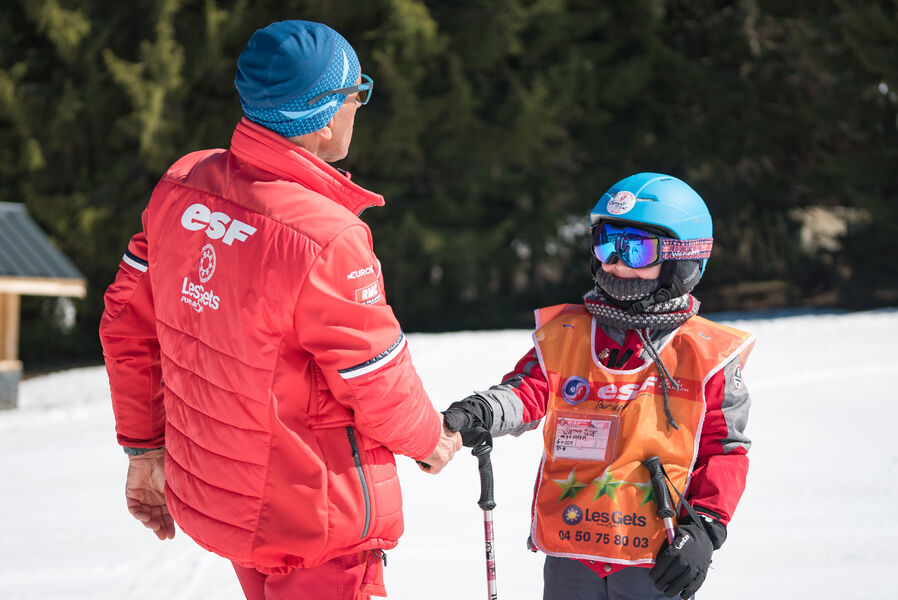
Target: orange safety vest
{"type": "Point", "coordinates": [594, 499]}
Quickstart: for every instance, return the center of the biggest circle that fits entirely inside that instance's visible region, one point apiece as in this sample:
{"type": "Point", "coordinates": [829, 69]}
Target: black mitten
{"type": "Point", "coordinates": [681, 567]}
{"type": "Point", "coordinates": [472, 418]}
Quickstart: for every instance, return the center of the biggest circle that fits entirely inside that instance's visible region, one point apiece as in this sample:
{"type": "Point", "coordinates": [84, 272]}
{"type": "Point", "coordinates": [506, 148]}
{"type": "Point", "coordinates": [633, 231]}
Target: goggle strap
{"type": "Point", "coordinates": [674, 249]}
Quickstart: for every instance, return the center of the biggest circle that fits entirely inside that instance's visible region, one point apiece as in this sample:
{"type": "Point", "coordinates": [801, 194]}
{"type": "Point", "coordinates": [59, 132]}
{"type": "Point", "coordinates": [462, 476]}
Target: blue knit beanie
{"type": "Point", "coordinates": [285, 65]}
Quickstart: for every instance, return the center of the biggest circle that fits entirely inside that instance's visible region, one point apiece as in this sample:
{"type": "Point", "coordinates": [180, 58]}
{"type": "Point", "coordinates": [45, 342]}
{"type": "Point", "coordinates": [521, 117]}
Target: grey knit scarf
{"type": "Point", "coordinates": [660, 317]}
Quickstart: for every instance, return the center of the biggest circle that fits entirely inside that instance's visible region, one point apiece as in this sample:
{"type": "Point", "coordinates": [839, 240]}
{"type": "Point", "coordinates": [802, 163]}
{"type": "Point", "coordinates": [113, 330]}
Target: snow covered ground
{"type": "Point", "coordinates": [819, 518]}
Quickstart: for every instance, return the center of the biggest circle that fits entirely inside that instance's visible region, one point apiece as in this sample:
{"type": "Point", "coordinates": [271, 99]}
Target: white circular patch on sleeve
{"type": "Point", "coordinates": [622, 202]}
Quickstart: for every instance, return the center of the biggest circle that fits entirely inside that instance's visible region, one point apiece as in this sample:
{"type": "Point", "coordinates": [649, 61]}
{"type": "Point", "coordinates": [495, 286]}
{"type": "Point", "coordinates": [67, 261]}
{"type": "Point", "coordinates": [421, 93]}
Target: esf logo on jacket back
{"type": "Point", "coordinates": [198, 216]}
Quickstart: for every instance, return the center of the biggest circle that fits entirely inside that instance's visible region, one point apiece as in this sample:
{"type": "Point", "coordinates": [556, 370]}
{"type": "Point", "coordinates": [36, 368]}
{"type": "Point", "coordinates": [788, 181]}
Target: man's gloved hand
{"type": "Point", "coordinates": [681, 567]}
{"type": "Point", "coordinates": [472, 418]}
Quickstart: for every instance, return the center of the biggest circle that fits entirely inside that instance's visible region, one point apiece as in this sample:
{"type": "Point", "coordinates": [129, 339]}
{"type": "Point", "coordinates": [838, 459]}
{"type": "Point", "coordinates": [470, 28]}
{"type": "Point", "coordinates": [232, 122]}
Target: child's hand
{"type": "Point", "coordinates": [681, 567]}
{"type": "Point", "coordinates": [472, 418]}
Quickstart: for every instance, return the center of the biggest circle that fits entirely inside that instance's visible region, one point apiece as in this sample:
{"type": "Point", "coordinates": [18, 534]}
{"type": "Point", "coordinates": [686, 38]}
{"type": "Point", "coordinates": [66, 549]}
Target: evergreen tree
{"type": "Point", "coordinates": [495, 126]}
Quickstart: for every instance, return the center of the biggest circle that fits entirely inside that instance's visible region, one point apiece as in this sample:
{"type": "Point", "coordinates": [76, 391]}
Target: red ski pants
{"type": "Point", "coordinates": [351, 577]}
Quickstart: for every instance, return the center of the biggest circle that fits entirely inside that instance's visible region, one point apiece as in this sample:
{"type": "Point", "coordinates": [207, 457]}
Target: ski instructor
{"type": "Point", "coordinates": [260, 382]}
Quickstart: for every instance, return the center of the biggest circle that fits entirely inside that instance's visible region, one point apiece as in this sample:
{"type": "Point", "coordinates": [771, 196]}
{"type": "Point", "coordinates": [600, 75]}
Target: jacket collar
{"type": "Point", "coordinates": [274, 153]}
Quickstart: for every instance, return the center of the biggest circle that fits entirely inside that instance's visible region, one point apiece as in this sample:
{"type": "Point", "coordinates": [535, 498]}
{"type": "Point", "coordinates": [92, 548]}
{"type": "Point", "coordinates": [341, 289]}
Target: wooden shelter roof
{"type": "Point", "coordinates": [29, 262]}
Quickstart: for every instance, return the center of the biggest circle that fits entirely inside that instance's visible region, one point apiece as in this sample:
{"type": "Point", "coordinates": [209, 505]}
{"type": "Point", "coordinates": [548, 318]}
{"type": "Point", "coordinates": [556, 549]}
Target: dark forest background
{"type": "Point", "coordinates": [494, 128]}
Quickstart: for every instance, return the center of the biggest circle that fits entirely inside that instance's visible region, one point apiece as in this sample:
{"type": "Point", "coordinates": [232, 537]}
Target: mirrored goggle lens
{"type": "Point", "coordinates": [635, 247]}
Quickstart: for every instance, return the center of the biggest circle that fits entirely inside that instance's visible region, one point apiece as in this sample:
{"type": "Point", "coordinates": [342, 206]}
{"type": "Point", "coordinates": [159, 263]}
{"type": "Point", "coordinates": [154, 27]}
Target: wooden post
{"type": "Point", "coordinates": [10, 367]}
{"type": "Point", "coordinates": [9, 327]}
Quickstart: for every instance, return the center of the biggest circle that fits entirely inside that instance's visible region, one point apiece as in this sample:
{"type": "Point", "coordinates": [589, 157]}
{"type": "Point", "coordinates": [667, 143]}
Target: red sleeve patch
{"type": "Point", "coordinates": [369, 294]}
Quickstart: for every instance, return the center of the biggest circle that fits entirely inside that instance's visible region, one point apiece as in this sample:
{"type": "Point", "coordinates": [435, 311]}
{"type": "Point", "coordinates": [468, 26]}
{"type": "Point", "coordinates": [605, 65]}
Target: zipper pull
{"type": "Point", "coordinates": [352, 443]}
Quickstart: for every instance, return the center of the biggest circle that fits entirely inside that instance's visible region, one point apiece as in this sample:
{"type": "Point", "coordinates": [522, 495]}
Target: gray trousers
{"type": "Point", "coordinates": [567, 579]}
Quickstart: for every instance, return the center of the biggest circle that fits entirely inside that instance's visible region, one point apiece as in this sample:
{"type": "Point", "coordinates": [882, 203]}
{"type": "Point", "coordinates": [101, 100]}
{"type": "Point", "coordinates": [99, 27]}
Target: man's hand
{"type": "Point", "coordinates": [448, 445]}
{"type": "Point", "coordinates": [145, 493]}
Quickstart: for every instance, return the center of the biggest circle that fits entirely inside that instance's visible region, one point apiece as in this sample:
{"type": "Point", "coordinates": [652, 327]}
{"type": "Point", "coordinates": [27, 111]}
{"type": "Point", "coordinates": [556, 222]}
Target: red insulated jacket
{"type": "Point", "coordinates": [247, 331]}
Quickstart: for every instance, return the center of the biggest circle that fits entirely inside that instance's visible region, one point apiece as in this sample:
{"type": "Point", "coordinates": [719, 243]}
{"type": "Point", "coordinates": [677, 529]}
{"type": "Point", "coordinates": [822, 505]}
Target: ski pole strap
{"type": "Point", "coordinates": [485, 466]}
{"type": "Point", "coordinates": [685, 502]}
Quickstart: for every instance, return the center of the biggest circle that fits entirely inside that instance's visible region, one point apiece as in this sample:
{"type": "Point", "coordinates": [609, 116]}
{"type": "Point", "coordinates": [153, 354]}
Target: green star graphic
{"type": "Point", "coordinates": [570, 487]}
{"type": "Point", "coordinates": [648, 492]}
{"type": "Point", "coordinates": [607, 485]}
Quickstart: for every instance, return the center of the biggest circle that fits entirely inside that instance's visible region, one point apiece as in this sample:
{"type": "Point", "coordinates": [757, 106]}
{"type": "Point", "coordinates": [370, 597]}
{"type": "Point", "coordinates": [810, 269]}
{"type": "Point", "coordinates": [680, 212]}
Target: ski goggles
{"type": "Point", "coordinates": [638, 248]}
{"type": "Point", "coordinates": [363, 89]}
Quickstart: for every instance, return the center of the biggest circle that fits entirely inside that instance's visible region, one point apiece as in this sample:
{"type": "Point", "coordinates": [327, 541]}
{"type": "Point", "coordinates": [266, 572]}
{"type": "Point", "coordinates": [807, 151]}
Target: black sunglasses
{"type": "Point", "coordinates": [363, 89]}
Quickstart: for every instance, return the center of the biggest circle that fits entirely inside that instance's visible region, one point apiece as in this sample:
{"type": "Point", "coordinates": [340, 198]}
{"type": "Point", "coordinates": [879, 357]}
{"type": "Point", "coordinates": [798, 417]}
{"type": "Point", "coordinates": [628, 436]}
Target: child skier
{"type": "Point", "coordinates": [630, 374]}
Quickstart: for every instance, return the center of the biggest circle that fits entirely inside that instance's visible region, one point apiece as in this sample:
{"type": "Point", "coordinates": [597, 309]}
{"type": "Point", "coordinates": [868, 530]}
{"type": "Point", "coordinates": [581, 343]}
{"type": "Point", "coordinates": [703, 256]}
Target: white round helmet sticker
{"type": "Point", "coordinates": [622, 202]}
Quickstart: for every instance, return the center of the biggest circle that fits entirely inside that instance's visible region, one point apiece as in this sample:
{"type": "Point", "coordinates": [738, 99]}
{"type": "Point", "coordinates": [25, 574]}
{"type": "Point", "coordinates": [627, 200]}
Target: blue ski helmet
{"type": "Point", "coordinates": [659, 202]}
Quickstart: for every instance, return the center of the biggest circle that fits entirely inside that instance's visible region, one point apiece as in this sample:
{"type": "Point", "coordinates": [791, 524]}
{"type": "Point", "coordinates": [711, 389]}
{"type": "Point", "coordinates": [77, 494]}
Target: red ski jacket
{"type": "Point", "coordinates": [247, 331]}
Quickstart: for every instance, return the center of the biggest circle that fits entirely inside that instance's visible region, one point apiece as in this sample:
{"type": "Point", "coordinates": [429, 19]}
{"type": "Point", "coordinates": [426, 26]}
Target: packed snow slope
{"type": "Point", "coordinates": [819, 518]}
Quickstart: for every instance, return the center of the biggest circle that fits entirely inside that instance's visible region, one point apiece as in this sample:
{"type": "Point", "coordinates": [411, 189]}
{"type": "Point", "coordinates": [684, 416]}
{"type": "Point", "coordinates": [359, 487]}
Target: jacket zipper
{"type": "Point", "coordinates": [358, 467]}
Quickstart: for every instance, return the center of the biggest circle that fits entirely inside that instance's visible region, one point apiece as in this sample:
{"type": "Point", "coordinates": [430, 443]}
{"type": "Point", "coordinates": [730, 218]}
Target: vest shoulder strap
{"type": "Point", "coordinates": [702, 322]}
{"type": "Point", "coordinates": [544, 315]}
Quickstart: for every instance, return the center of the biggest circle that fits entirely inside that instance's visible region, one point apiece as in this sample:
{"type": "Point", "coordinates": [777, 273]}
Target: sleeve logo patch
{"type": "Point", "coordinates": [369, 294]}
{"type": "Point", "coordinates": [737, 377]}
{"type": "Point", "coordinates": [369, 270]}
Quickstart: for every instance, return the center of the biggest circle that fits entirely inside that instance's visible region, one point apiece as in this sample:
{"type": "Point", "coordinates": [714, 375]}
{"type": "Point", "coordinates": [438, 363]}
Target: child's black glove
{"type": "Point", "coordinates": [472, 418]}
{"type": "Point", "coordinates": [681, 567]}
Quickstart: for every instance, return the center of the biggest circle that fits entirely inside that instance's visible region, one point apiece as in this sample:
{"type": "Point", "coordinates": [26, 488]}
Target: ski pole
{"type": "Point", "coordinates": [482, 452]}
{"type": "Point", "coordinates": [662, 493]}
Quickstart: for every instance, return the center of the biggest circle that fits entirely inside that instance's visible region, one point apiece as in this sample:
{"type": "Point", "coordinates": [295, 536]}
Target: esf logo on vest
{"type": "Point", "coordinates": [576, 390]}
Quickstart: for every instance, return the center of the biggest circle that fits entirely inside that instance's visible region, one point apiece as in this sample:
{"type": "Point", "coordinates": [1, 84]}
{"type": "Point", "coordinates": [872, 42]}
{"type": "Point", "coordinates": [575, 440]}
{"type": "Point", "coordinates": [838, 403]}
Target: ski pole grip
{"type": "Point", "coordinates": [662, 494]}
{"type": "Point", "coordinates": [485, 466]}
